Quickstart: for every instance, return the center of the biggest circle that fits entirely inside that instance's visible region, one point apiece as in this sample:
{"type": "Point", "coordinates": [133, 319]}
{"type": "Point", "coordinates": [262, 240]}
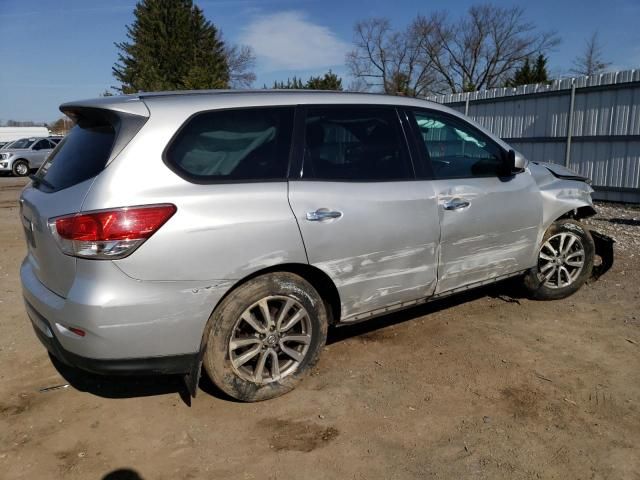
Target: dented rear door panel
{"type": "Point", "coordinates": [383, 248]}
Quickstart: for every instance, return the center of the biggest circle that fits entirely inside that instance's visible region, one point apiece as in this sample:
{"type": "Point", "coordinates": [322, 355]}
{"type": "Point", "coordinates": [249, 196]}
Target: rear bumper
{"type": "Point", "coordinates": [172, 364]}
{"type": "Point", "coordinates": [130, 325]}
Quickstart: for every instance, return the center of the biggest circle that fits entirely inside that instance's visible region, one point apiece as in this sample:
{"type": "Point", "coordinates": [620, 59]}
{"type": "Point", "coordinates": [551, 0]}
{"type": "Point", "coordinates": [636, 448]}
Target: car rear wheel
{"type": "Point", "coordinates": [264, 337]}
{"type": "Point", "coordinates": [20, 168]}
{"type": "Point", "coordinates": [565, 261]}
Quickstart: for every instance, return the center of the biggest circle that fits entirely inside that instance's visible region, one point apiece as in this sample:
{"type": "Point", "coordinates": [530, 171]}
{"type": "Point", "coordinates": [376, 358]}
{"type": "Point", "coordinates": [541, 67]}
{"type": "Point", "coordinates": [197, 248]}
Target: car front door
{"type": "Point", "coordinates": [489, 218]}
{"type": "Point", "coordinates": [365, 220]}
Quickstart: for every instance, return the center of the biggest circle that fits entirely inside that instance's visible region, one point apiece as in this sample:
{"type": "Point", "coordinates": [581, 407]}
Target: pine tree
{"type": "Point", "coordinates": [171, 46]}
{"type": "Point", "coordinates": [295, 83]}
{"type": "Point", "coordinates": [329, 81]}
{"type": "Point", "coordinates": [540, 74]}
{"type": "Point", "coordinates": [528, 74]}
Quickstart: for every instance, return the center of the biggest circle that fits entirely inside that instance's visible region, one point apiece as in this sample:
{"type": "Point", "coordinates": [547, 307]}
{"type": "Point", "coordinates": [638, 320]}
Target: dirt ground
{"type": "Point", "coordinates": [485, 385]}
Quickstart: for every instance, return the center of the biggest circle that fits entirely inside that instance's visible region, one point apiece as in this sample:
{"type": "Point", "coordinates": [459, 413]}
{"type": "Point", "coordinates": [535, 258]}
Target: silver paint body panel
{"type": "Point", "coordinates": [394, 244]}
{"type": "Point", "coordinates": [382, 251]}
{"type": "Point", "coordinates": [486, 240]}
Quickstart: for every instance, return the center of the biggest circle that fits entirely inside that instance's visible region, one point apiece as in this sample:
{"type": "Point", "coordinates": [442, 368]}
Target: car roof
{"type": "Point", "coordinates": [204, 99]}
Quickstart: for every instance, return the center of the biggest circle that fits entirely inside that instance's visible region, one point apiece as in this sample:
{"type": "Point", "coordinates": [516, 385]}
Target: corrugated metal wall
{"type": "Point", "coordinates": [604, 140]}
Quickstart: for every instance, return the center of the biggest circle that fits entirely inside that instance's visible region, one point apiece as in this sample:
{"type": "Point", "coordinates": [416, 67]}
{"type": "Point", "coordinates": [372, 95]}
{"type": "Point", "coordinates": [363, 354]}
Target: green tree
{"type": "Point", "coordinates": [329, 81]}
{"type": "Point", "coordinates": [540, 73]}
{"type": "Point", "coordinates": [529, 73]}
{"type": "Point", "coordinates": [171, 46]}
{"type": "Point", "coordinates": [292, 83]}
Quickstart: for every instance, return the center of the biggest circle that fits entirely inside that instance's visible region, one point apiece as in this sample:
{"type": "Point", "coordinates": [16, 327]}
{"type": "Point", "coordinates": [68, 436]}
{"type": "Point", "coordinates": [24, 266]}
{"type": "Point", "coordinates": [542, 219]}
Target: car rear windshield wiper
{"type": "Point", "coordinates": [37, 180]}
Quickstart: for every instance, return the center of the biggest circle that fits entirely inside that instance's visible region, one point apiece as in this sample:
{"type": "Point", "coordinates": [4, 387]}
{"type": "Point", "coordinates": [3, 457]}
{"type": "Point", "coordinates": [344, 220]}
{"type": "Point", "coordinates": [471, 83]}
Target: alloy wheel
{"type": "Point", "coordinates": [21, 168]}
{"type": "Point", "coordinates": [270, 339]}
{"type": "Point", "coordinates": [561, 260]}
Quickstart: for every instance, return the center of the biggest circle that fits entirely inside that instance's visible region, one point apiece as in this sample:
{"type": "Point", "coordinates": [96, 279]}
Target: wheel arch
{"type": "Point", "coordinates": [316, 277]}
{"type": "Point", "coordinates": [579, 213]}
{"type": "Point", "coordinates": [576, 209]}
{"type": "Point", "coordinates": [25, 160]}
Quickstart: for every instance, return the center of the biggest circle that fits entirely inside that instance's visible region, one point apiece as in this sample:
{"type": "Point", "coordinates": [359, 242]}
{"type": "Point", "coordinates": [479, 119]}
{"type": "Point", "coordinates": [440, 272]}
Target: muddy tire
{"type": "Point", "coordinates": [265, 336]}
{"type": "Point", "coordinates": [565, 261]}
{"type": "Point", "coordinates": [20, 168]}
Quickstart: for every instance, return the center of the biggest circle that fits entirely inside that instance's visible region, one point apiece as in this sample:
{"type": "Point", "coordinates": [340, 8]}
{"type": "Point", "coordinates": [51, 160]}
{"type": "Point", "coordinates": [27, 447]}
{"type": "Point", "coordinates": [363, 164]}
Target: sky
{"type": "Point", "coordinates": [53, 51]}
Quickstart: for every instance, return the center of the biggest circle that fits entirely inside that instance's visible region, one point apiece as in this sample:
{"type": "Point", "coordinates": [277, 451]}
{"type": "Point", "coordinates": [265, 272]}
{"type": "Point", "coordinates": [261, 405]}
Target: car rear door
{"type": "Point", "coordinates": [365, 220]}
{"type": "Point", "coordinates": [39, 153]}
{"type": "Point", "coordinates": [489, 219]}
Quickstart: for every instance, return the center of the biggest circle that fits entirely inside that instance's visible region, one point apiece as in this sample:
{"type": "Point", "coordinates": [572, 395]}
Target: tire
{"type": "Point", "coordinates": [295, 309]}
{"type": "Point", "coordinates": [559, 275]}
{"type": "Point", "coordinates": [20, 168]}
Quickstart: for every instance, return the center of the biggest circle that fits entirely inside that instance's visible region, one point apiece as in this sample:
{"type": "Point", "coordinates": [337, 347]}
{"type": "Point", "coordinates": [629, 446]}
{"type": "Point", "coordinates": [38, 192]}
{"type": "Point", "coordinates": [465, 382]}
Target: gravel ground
{"type": "Point", "coordinates": [485, 385]}
{"type": "Point", "coordinates": [619, 221]}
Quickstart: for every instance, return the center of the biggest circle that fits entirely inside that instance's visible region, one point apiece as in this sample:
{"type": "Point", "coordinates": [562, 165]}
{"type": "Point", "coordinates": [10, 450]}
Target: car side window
{"type": "Point", "coordinates": [352, 143]}
{"type": "Point", "coordinates": [456, 149]}
{"type": "Point", "coordinates": [248, 144]}
{"type": "Point", "coordinates": [42, 145]}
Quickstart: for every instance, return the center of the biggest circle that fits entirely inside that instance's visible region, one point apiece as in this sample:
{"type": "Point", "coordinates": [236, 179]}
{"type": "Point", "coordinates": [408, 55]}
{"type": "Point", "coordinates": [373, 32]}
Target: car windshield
{"type": "Point", "coordinates": [23, 143]}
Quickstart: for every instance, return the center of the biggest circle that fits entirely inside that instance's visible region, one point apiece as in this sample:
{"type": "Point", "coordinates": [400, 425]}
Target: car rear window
{"type": "Point", "coordinates": [249, 144]}
{"type": "Point", "coordinates": [81, 155]}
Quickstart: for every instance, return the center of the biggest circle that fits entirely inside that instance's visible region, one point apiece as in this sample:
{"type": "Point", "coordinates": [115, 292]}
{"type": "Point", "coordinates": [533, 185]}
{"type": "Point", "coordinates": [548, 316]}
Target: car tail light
{"type": "Point", "coordinates": [109, 234]}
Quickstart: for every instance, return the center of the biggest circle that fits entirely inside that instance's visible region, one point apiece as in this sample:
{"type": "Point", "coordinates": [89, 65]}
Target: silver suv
{"type": "Point", "coordinates": [26, 154]}
{"type": "Point", "coordinates": [231, 229]}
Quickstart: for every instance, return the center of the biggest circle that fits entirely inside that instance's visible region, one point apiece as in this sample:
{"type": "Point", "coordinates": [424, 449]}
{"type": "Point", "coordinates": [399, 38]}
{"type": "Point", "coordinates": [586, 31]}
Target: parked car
{"type": "Point", "coordinates": [232, 229]}
{"type": "Point", "coordinates": [24, 155]}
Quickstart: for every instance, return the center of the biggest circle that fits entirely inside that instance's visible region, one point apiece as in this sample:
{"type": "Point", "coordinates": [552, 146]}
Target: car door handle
{"type": "Point", "coordinates": [456, 204]}
{"type": "Point", "coordinates": [323, 214]}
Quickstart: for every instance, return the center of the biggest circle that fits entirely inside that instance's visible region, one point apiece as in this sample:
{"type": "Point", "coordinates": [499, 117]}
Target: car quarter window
{"type": "Point", "coordinates": [356, 143]}
{"type": "Point", "coordinates": [248, 144]}
{"type": "Point", "coordinates": [455, 148]}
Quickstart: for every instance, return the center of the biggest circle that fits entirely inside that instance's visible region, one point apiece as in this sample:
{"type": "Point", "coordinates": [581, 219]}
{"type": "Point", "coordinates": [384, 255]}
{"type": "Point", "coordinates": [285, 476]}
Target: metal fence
{"type": "Point", "coordinates": [590, 124]}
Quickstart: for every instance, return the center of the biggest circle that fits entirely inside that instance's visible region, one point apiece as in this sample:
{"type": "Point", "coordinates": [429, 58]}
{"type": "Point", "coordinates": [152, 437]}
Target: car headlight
{"type": "Point", "coordinates": [5, 156]}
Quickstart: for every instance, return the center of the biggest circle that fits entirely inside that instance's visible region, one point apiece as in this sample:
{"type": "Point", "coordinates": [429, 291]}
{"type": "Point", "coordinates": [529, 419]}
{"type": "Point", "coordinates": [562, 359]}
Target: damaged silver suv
{"type": "Point", "coordinates": [169, 231]}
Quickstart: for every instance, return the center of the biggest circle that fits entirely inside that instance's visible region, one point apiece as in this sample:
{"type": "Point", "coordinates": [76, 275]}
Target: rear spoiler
{"type": "Point", "coordinates": [126, 114]}
{"type": "Point", "coordinates": [123, 104]}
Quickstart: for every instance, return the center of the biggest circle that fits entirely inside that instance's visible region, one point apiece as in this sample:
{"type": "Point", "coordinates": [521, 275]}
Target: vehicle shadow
{"type": "Point", "coordinates": [124, 386]}
{"type": "Point", "coordinates": [120, 386]}
{"type": "Point", "coordinates": [508, 291]}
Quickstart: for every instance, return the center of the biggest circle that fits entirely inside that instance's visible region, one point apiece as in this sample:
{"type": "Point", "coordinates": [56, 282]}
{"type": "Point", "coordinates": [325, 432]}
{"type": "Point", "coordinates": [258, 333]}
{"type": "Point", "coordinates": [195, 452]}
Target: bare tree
{"type": "Point", "coordinates": [436, 54]}
{"type": "Point", "coordinates": [483, 49]}
{"type": "Point", "coordinates": [591, 61]}
{"type": "Point", "coordinates": [241, 60]}
{"type": "Point", "coordinates": [390, 61]}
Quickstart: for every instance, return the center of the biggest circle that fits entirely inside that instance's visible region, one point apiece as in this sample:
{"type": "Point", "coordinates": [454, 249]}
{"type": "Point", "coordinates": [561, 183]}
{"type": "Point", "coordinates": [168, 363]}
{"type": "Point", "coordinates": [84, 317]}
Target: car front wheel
{"type": "Point", "coordinates": [264, 336]}
{"type": "Point", "coordinates": [20, 168]}
{"type": "Point", "coordinates": [565, 261]}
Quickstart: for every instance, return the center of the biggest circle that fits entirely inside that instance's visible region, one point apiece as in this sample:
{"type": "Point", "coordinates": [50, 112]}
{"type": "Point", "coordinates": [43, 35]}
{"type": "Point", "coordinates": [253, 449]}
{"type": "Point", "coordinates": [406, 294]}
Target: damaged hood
{"type": "Point", "coordinates": [563, 172]}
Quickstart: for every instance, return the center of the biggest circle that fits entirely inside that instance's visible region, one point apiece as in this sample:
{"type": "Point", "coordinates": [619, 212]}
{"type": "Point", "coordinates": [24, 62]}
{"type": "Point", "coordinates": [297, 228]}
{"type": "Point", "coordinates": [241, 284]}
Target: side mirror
{"type": "Point", "coordinates": [516, 162]}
